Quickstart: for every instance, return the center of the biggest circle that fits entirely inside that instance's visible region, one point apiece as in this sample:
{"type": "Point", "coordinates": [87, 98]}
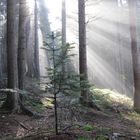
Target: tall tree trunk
{"type": "Point", "coordinates": [22, 43]}
{"type": "Point", "coordinates": [4, 51]}
{"type": "Point", "coordinates": [3, 48]}
{"type": "Point", "coordinates": [135, 54]}
{"type": "Point", "coordinates": [82, 48]}
{"type": "Point", "coordinates": [30, 49]}
{"type": "Point", "coordinates": [63, 31]}
{"type": "Point", "coordinates": [63, 22]}
{"type": "Point", "coordinates": [12, 98]}
{"type": "Point", "coordinates": [1, 44]}
{"type": "Point", "coordinates": [36, 53]}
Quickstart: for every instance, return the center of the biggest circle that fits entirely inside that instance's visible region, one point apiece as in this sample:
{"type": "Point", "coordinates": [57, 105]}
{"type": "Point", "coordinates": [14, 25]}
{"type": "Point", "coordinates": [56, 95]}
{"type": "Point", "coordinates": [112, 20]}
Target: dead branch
{"type": "Point", "coordinates": [21, 124]}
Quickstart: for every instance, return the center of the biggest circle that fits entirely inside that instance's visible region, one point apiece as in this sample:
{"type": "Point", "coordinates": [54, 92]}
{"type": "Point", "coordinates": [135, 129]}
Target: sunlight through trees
{"type": "Point", "coordinates": [72, 66]}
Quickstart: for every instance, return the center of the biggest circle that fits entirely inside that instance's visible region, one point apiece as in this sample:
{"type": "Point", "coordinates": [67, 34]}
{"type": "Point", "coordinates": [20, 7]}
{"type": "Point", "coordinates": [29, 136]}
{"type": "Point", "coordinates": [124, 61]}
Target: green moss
{"type": "Point", "coordinates": [47, 102]}
{"type": "Point", "coordinates": [101, 137]}
{"type": "Point", "coordinates": [107, 98]}
{"type": "Point", "coordinates": [132, 116]}
{"type": "Point", "coordinates": [88, 127]}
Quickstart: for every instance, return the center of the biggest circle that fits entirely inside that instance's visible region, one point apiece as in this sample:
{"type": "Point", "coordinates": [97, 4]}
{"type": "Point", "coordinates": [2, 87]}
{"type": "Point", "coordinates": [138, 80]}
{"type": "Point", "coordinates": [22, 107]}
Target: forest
{"type": "Point", "coordinates": [69, 70]}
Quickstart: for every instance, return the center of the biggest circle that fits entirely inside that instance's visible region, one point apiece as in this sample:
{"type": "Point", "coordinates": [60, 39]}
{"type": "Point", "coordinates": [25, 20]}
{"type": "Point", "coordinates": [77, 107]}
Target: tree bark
{"type": "Point", "coordinates": [82, 48]}
{"type": "Point", "coordinates": [63, 22]}
{"type": "Point", "coordinates": [63, 32]}
{"type": "Point", "coordinates": [30, 49]}
{"type": "Point", "coordinates": [22, 43]}
{"type": "Point", "coordinates": [12, 39]}
{"type": "Point", "coordinates": [1, 45]}
{"type": "Point", "coordinates": [36, 53]}
{"type": "Point", "coordinates": [135, 54]}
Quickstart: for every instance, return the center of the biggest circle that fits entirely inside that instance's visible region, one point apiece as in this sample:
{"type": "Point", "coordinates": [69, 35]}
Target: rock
{"type": "Point", "coordinates": [3, 116]}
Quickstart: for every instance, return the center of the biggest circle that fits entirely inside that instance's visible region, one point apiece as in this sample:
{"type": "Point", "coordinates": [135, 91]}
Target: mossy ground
{"type": "Point", "coordinates": [79, 122]}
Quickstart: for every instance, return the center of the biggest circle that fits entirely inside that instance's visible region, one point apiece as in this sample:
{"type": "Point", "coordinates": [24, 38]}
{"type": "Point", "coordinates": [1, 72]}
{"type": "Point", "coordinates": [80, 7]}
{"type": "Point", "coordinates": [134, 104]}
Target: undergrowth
{"type": "Point", "coordinates": [108, 98]}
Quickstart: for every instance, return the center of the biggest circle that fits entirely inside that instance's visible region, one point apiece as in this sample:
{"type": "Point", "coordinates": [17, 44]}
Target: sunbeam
{"type": "Point", "coordinates": [107, 40]}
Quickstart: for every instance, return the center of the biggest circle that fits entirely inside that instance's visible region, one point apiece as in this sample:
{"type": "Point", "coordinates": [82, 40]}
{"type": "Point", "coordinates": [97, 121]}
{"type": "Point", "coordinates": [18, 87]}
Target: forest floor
{"type": "Point", "coordinates": [76, 122]}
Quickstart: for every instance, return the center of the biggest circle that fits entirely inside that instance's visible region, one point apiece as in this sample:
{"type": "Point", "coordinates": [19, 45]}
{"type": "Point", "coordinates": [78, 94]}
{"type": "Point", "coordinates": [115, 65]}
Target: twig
{"type": "Point", "coordinates": [71, 126]}
{"type": "Point", "coordinates": [21, 124]}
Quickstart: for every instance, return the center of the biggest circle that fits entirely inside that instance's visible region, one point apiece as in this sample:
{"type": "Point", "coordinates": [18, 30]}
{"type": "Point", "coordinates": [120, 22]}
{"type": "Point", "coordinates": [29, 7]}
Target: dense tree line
{"type": "Point", "coordinates": [19, 31]}
{"type": "Point", "coordinates": [19, 46]}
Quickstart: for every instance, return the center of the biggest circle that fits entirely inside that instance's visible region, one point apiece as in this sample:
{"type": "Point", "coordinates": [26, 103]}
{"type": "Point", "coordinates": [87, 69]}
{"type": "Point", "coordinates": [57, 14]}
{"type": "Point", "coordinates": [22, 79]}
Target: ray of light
{"type": "Point", "coordinates": [108, 45]}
